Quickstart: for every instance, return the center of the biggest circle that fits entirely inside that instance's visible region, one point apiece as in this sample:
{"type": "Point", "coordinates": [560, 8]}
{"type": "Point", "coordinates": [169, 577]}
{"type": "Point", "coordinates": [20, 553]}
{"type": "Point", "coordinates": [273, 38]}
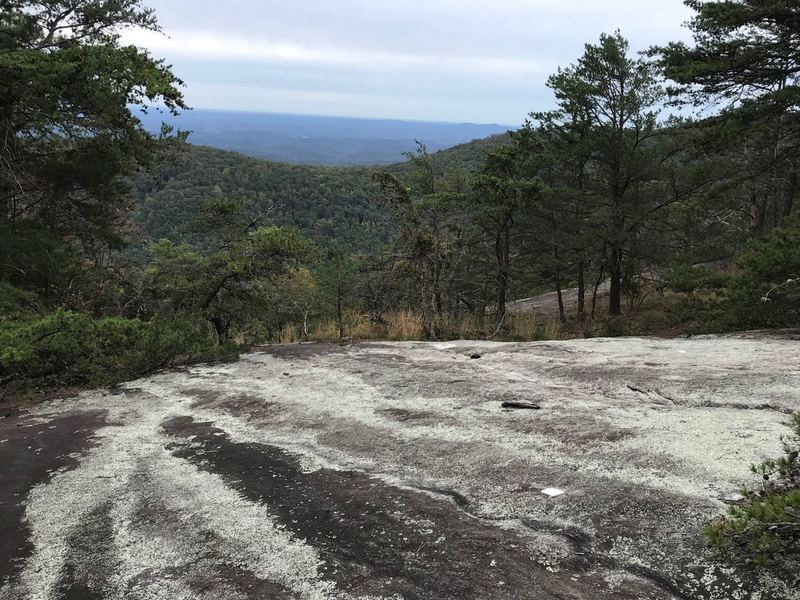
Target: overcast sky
{"type": "Point", "coordinates": [483, 61]}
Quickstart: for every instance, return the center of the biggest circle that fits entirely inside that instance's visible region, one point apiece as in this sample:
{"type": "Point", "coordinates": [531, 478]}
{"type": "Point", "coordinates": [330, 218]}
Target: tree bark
{"type": "Point", "coordinates": [615, 273]}
{"type": "Point", "coordinates": [221, 328]}
{"type": "Point", "coordinates": [502, 254]}
{"type": "Point", "coordinates": [758, 213]}
{"type": "Point", "coordinates": [562, 315]}
{"type": "Point", "coordinates": [791, 192]}
{"type": "Point", "coordinates": [437, 291]}
{"type": "Point", "coordinates": [339, 323]}
{"type": "Point", "coordinates": [597, 287]}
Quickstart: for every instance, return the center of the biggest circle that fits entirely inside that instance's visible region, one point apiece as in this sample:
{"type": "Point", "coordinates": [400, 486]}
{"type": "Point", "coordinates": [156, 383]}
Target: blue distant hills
{"type": "Point", "coordinates": [318, 140]}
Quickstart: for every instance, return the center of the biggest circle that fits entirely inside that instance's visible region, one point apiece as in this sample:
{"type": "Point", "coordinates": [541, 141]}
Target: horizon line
{"type": "Point", "coordinates": [331, 116]}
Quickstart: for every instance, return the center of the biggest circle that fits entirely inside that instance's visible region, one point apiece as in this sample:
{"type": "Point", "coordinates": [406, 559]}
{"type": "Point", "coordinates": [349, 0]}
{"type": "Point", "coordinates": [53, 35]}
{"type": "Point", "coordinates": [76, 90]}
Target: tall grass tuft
{"type": "Point", "coordinates": [288, 335]}
{"type": "Point", "coordinates": [405, 325]}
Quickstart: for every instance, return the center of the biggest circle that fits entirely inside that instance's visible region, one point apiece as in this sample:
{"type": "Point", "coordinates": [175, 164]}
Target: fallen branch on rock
{"type": "Point", "coordinates": [520, 405]}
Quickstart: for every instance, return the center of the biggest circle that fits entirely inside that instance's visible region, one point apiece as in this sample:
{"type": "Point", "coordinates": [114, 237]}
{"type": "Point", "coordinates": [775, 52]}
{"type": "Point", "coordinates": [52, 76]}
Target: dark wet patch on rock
{"type": "Point", "coordinates": [379, 539]}
{"type": "Point", "coordinates": [202, 396]}
{"type": "Point", "coordinates": [30, 455]}
{"type": "Point", "coordinates": [236, 404]}
{"type": "Point", "coordinates": [90, 563]}
{"type": "Point", "coordinates": [212, 574]}
{"type": "Point", "coordinates": [241, 581]}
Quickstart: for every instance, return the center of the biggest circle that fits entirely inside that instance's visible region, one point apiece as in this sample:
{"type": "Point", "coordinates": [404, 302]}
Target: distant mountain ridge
{"type": "Point", "coordinates": [318, 140]}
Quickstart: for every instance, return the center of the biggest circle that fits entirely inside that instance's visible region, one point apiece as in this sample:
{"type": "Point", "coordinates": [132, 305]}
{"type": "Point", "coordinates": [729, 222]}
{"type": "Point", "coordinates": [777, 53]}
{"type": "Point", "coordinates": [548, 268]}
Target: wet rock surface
{"type": "Point", "coordinates": [31, 452]}
{"type": "Point", "coordinates": [385, 471]}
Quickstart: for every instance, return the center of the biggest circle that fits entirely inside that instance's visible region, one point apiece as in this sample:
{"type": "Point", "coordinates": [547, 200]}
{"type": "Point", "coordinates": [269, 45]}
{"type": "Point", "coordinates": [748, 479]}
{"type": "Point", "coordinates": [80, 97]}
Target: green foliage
{"type": "Point", "coordinates": [296, 298]}
{"type": "Point", "coordinates": [690, 279]}
{"type": "Point", "coordinates": [15, 303]}
{"type": "Point", "coordinates": [765, 526]}
{"type": "Point", "coordinates": [230, 286]}
{"type": "Point", "coordinates": [330, 205]}
{"type": "Point", "coordinates": [336, 276]}
{"type": "Point", "coordinates": [67, 348]}
{"type": "Point", "coordinates": [432, 213]}
{"type": "Point", "coordinates": [325, 203]}
{"type": "Point", "coordinates": [744, 63]}
{"type": "Point", "coordinates": [600, 188]}
{"type": "Point", "coordinates": [70, 137]}
{"type": "Point", "coordinates": [763, 293]}
{"type": "Point", "coordinates": [767, 293]}
{"type": "Point", "coordinates": [607, 129]}
{"type": "Point", "coordinates": [744, 50]}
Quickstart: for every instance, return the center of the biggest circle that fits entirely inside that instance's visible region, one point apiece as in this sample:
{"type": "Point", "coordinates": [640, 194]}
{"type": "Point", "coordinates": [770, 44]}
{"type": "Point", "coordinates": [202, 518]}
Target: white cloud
{"type": "Point", "coordinates": [214, 47]}
{"type": "Point", "coordinates": [467, 60]}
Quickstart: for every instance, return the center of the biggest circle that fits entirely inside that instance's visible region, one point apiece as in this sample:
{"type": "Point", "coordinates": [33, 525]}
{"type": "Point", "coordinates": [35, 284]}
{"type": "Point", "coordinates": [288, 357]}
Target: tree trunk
{"type": "Point", "coordinates": [581, 290]}
{"type": "Point", "coordinates": [562, 315]}
{"type": "Point", "coordinates": [221, 328]}
{"type": "Point", "coordinates": [758, 213]}
{"type": "Point", "coordinates": [791, 192]}
{"type": "Point", "coordinates": [615, 273]}
{"type": "Point", "coordinates": [502, 254]}
{"type": "Point", "coordinates": [597, 287]}
{"type": "Point", "coordinates": [437, 291]}
{"type": "Point", "coordinates": [339, 322]}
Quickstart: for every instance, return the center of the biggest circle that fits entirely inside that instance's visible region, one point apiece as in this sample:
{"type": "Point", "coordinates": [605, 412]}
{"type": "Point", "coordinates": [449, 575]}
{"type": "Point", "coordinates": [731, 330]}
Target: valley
{"type": "Point", "coordinates": [317, 140]}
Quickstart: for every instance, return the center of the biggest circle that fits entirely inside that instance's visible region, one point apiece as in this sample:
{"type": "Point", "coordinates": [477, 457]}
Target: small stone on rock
{"type": "Point", "coordinates": [732, 498]}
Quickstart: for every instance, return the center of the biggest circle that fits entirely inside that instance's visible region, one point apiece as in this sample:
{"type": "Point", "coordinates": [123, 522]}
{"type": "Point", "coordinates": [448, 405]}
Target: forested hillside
{"type": "Point", "coordinates": [327, 203]}
{"type": "Point", "coordinates": [332, 205]}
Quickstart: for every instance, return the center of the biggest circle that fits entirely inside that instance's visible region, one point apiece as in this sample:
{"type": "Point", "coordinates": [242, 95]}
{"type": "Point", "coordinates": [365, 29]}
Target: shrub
{"type": "Point", "coordinates": [689, 279]}
{"type": "Point", "coordinates": [15, 302]}
{"type": "Point", "coordinates": [766, 294]}
{"type": "Point", "coordinates": [74, 348]}
{"type": "Point", "coordinates": [765, 525]}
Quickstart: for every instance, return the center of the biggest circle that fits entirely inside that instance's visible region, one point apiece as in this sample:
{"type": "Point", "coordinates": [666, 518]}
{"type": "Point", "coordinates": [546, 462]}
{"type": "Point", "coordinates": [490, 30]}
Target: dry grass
{"type": "Point", "coordinates": [405, 325]}
{"type": "Point", "coordinates": [648, 318]}
{"type": "Point", "coordinates": [469, 327]}
{"type": "Point", "coordinates": [364, 328]}
{"type": "Point", "coordinates": [408, 325]}
{"type": "Point", "coordinates": [522, 327]}
{"type": "Point", "coordinates": [325, 331]}
{"type": "Point", "coordinates": [289, 335]}
{"type": "Point", "coordinates": [553, 329]}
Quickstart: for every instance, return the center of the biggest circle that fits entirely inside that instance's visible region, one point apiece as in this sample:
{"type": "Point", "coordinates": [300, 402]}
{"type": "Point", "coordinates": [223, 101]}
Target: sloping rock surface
{"type": "Point", "coordinates": [391, 470]}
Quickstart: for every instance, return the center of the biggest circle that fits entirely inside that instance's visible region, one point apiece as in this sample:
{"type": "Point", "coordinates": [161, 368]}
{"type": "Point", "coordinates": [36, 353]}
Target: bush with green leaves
{"type": "Point", "coordinates": [15, 302]}
{"type": "Point", "coordinates": [767, 292]}
{"type": "Point", "coordinates": [690, 279]}
{"type": "Point", "coordinates": [765, 525]}
{"type": "Point", "coordinates": [68, 348]}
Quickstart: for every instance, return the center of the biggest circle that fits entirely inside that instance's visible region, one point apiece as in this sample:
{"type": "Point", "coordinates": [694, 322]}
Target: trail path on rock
{"type": "Point", "coordinates": [390, 470]}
